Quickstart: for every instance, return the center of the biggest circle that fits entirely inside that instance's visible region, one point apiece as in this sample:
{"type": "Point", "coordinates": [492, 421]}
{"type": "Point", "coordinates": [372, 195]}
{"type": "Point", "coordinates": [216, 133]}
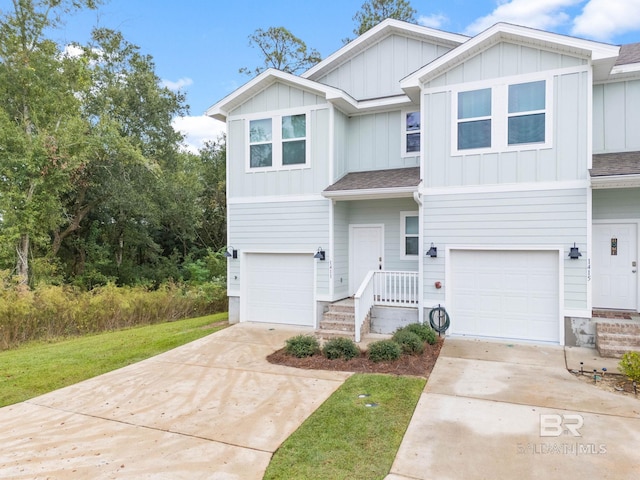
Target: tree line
{"type": "Point", "coordinates": [94, 185]}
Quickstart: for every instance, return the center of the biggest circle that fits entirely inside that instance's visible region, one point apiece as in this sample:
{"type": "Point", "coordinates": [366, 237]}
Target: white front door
{"type": "Point", "coordinates": [615, 265]}
{"type": "Point", "coordinates": [366, 244]}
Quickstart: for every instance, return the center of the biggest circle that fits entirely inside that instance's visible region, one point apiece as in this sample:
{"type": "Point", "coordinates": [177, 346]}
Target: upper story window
{"type": "Point", "coordinates": [409, 235]}
{"type": "Point", "coordinates": [474, 119]}
{"type": "Point", "coordinates": [410, 133]}
{"type": "Point", "coordinates": [526, 115]}
{"type": "Point", "coordinates": [278, 142]}
{"type": "Point", "coordinates": [509, 116]}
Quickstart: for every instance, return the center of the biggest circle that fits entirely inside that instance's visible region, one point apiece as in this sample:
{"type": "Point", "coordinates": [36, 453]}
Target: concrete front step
{"type": "Point", "coordinates": [344, 326]}
{"type": "Point", "coordinates": [323, 334]}
{"type": "Point", "coordinates": [616, 337]}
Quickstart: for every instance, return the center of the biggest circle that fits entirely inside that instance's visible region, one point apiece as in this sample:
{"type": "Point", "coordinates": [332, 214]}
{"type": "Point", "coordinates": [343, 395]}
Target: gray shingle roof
{"type": "Point", "coordinates": [393, 178]}
{"type": "Point", "coordinates": [622, 163]}
{"type": "Point", "coordinates": [629, 53]}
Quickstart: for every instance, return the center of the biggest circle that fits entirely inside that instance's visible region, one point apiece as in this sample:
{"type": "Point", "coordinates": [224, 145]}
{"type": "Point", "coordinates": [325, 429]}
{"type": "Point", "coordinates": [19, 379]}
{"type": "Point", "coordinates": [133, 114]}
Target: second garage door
{"type": "Point", "coordinates": [280, 288]}
{"type": "Point", "coordinates": [505, 294]}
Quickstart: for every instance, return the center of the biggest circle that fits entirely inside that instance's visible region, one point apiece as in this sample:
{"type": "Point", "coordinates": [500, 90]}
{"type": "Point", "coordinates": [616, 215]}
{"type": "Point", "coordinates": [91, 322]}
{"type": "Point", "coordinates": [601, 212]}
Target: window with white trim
{"type": "Point", "coordinates": [510, 116]}
{"type": "Point", "coordinates": [409, 235]}
{"type": "Point", "coordinates": [410, 133]}
{"type": "Point", "coordinates": [278, 142]}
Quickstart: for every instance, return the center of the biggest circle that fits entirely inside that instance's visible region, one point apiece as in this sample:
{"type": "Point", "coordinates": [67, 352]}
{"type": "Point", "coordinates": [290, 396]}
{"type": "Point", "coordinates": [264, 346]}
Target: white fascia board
{"type": "Point", "coordinates": [377, 33]}
{"type": "Point", "coordinates": [221, 109]}
{"type": "Point", "coordinates": [616, 181]}
{"type": "Point", "coordinates": [371, 194]}
{"type": "Point", "coordinates": [597, 52]}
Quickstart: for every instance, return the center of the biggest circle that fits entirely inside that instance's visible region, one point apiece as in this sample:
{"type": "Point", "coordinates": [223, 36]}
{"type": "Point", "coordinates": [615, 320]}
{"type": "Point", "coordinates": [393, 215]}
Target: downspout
{"type": "Point", "coordinates": [417, 197]}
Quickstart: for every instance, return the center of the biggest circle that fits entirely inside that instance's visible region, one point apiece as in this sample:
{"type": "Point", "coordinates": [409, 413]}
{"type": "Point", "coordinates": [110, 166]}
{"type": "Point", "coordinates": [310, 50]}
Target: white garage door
{"type": "Point", "coordinates": [280, 288]}
{"type": "Point", "coordinates": [505, 294]}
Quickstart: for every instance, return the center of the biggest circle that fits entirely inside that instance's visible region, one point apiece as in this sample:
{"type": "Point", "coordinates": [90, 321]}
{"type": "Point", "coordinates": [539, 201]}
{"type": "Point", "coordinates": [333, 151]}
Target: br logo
{"type": "Point", "coordinates": [554, 425]}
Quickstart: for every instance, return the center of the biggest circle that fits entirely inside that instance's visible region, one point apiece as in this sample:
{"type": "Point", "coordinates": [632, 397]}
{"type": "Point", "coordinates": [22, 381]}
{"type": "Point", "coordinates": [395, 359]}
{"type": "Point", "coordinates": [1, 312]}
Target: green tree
{"type": "Point", "coordinates": [373, 12]}
{"type": "Point", "coordinates": [40, 122]}
{"type": "Point", "coordinates": [281, 50]}
{"type": "Point", "coordinates": [212, 232]}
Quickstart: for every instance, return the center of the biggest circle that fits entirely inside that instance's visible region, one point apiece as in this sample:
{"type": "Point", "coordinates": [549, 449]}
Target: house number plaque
{"type": "Point", "coordinates": [614, 246]}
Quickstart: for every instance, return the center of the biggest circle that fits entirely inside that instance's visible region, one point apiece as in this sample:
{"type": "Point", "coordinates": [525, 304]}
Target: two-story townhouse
{"type": "Point", "coordinates": [417, 168]}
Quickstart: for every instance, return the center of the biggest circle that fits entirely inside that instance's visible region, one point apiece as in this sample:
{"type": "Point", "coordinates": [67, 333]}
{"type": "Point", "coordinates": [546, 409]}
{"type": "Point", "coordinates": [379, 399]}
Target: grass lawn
{"type": "Point", "coordinates": [346, 439]}
{"type": "Point", "coordinates": [38, 368]}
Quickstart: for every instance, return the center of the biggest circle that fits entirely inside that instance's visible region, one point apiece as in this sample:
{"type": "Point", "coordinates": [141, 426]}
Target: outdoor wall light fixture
{"type": "Point", "coordinates": [574, 253]}
{"type": "Point", "coordinates": [433, 251]}
{"type": "Point", "coordinates": [231, 252]}
{"type": "Point", "coordinates": [319, 254]}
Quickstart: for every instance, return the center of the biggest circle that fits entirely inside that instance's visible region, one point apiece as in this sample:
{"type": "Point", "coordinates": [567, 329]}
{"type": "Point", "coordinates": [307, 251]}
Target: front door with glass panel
{"type": "Point", "coordinates": [366, 244]}
{"type": "Point", "coordinates": [615, 266]}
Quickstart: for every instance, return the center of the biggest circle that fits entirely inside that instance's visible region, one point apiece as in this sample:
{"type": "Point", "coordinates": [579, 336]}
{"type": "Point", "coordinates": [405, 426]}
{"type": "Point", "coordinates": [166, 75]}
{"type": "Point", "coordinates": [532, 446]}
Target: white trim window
{"type": "Point", "coordinates": [409, 235]}
{"type": "Point", "coordinates": [515, 115]}
{"type": "Point", "coordinates": [410, 133]}
{"type": "Point", "coordinates": [279, 142]}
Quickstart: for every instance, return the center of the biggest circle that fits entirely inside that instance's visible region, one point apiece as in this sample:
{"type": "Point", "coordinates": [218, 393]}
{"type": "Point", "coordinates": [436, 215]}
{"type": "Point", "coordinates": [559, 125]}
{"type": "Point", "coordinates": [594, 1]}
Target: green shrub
{"type": "Point", "coordinates": [384, 351]}
{"type": "Point", "coordinates": [302, 346]}
{"type": "Point", "coordinates": [409, 342]}
{"type": "Point", "coordinates": [340, 347]}
{"type": "Point", "coordinates": [424, 331]}
{"type": "Point", "coordinates": [630, 365]}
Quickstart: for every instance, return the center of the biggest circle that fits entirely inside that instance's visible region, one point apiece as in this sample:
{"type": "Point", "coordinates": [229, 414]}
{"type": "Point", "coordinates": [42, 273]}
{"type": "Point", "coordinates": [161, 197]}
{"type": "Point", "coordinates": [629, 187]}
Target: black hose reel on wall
{"type": "Point", "coordinates": [439, 319]}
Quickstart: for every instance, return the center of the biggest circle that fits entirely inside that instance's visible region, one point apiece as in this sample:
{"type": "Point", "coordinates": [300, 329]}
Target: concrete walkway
{"type": "Point", "coordinates": [212, 409]}
{"type": "Point", "coordinates": [496, 410]}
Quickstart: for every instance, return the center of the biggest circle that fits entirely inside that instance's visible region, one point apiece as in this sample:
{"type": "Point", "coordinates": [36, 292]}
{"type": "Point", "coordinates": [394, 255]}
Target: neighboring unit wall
{"type": "Point", "coordinates": [616, 117]}
{"type": "Point", "coordinates": [377, 71]}
{"type": "Point", "coordinates": [526, 219]}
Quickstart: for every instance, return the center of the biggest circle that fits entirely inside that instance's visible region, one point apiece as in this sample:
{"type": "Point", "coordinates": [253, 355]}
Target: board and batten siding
{"type": "Point", "coordinates": [565, 160]}
{"type": "Point", "coordinates": [376, 72]}
{"type": "Point", "coordinates": [536, 218]}
{"type": "Point", "coordinates": [340, 139]}
{"type": "Point", "coordinates": [616, 117]}
{"type": "Point", "coordinates": [279, 227]}
{"type": "Point", "coordinates": [505, 60]}
{"type": "Point", "coordinates": [616, 204]}
{"type": "Point", "coordinates": [278, 96]}
{"type": "Point", "coordinates": [295, 181]}
{"type": "Point", "coordinates": [374, 143]}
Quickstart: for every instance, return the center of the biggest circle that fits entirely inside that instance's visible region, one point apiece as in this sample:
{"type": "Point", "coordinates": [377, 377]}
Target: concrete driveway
{"type": "Point", "coordinates": [507, 411]}
{"type": "Point", "coordinates": [212, 409]}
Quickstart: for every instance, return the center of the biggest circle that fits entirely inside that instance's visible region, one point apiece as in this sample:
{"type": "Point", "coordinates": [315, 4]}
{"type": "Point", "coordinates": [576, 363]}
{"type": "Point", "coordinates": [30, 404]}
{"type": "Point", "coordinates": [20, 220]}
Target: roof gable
{"type": "Point", "coordinates": [602, 55]}
{"type": "Point", "coordinates": [375, 35]}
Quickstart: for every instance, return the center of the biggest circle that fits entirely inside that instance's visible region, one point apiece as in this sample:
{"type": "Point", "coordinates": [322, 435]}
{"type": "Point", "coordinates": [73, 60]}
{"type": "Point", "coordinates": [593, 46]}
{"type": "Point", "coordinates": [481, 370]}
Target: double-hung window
{"type": "Point", "coordinates": [474, 119]}
{"type": "Point", "coordinates": [409, 234]}
{"type": "Point", "coordinates": [278, 142]}
{"type": "Point", "coordinates": [526, 116]}
{"type": "Point", "coordinates": [410, 133]}
{"type": "Point", "coordinates": [507, 116]}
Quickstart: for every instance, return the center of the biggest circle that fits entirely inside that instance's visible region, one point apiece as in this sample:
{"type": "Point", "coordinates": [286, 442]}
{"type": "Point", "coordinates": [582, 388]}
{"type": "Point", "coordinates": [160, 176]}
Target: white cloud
{"type": "Point", "coordinates": [604, 19]}
{"type": "Point", "coordinates": [178, 84]}
{"type": "Point", "coordinates": [435, 20]}
{"type": "Point", "coordinates": [198, 130]}
{"type": "Point", "coordinates": [72, 51]}
{"type": "Point", "coordinates": [542, 14]}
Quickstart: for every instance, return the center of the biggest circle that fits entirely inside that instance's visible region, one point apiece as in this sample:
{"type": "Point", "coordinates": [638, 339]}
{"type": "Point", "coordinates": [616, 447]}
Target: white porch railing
{"type": "Point", "coordinates": [399, 289]}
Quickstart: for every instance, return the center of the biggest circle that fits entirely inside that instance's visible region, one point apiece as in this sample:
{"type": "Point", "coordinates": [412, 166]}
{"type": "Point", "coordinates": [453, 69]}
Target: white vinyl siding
{"type": "Point", "coordinates": [543, 218]}
{"type": "Point", "coordinates": [616, 204]}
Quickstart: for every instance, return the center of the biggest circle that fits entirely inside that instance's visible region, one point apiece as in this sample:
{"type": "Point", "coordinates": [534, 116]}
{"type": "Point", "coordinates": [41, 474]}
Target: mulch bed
{"type": "Point", "coordinates": [413, 365]}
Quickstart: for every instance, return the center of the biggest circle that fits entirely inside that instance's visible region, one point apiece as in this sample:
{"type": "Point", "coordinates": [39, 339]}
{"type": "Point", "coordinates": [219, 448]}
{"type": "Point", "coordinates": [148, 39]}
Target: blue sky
{"type": "Point", "coordinates": [199, 45]}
